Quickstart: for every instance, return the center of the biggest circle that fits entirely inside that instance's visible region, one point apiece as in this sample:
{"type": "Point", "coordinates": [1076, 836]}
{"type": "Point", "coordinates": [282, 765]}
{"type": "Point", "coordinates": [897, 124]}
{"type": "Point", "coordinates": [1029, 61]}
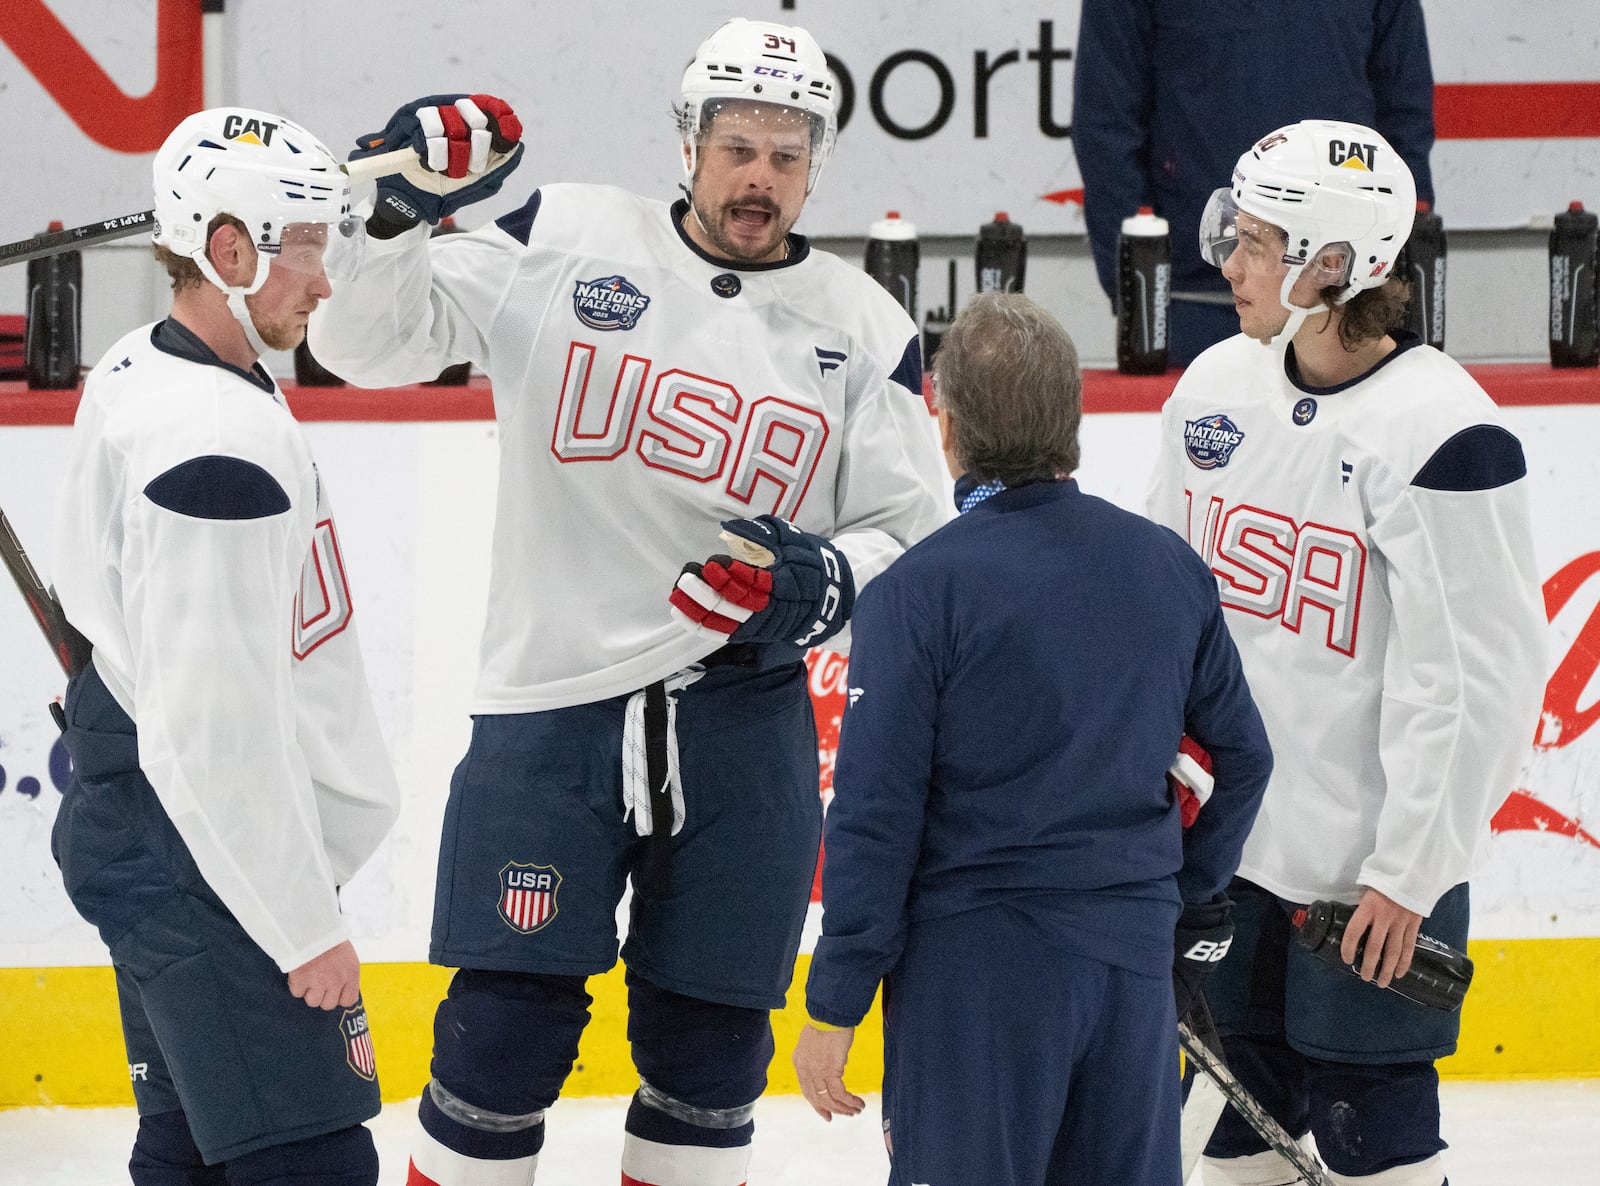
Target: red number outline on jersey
{"type": "Point", "coordinates": [324, 565]}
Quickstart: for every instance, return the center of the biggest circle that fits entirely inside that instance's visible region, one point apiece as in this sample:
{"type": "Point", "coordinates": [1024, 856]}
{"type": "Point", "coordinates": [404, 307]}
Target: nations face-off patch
{"type": "Point", "coordinates": [608, 303]}
{"type": "Point", "coordinates": [1210, 441]}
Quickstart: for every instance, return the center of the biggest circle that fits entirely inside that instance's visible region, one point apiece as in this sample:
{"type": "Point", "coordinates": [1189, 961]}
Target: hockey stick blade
{"type": "Point", "coordinates": [55, 242]}
{"type": "Point", "coordinates": [1268, 1129]}
{"type": "Point", "coordinates": [71, 648]}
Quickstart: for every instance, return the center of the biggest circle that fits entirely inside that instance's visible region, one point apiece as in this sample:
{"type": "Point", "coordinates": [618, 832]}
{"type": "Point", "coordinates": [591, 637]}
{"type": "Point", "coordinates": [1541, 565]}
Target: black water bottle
{"type": "Point", "coordinates": [892, 258]}
{"type": "Point", "coordinates": [53, 338]}
{"type": "Point", "coordinates": [1144, 279]}
{"type": "Point", "coordinates": [457, 373]}
{"type": "Point", "coordinates": [1422, 265]}
{"type": "Point", "coordinates": [1002, 260]}
{"type": "Point", "coordinates": [937, 323]}
{"type": "Point", "coordinates": [1574, 289]}
{"type": "Point", "coordinates": [1439, 975]}
{"type": "Point", "coordinates": [308, 372]}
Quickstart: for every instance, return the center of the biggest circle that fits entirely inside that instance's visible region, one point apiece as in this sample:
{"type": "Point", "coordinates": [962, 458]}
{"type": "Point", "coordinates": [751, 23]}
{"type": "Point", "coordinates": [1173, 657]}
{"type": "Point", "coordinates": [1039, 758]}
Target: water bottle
{"type": "Point", "coordinates": [1574, 289]}
{"type": "Point", "coordinates": [1002, 257]}
{"type": "Point", "coordinates": [1439, 975]}
{"type": "Point", "coordinates": [937, 323]}
{"type": "Point", "coordinates": [1422, 264]}
{"type": "Point", "coordinates": [1144, 279]}
{"type": "Point", "coordinates": [308, 372]}
{"type": "Point", "coordinates": [457, 373]}
{"type": "Point", "coordinates": [53, 338]}
{"type": "Point", "coordinates": [892, 258]}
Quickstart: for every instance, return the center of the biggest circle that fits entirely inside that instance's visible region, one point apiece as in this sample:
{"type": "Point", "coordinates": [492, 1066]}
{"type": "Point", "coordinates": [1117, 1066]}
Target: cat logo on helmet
{"type": "Point", "coordinates": [1352, 156]}
{"type": "Point", "coordinates": [251, 131]}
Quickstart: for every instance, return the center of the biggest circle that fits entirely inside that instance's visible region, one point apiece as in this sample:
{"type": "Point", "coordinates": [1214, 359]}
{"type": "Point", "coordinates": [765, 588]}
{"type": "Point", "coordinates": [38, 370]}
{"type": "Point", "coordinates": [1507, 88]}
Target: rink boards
{"type": "Point", "coordinates": [414, 499]}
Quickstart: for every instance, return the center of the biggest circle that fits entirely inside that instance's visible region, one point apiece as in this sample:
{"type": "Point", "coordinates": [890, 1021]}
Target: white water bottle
{"type": "Point", "coordinates": [1144, 275]}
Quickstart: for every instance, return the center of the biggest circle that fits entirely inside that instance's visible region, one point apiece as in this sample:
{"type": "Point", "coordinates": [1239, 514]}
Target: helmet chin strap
{"type": "Point", "coordinates": [1297, 314]}
{"type": "Point", "coordinates": [236, 294]}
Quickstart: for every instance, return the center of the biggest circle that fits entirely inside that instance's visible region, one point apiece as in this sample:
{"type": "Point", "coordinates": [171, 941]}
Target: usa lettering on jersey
{"type": "Point", "coordinates": [695, 426]}
{"type": "Point", "coordinates": [1271, 567]}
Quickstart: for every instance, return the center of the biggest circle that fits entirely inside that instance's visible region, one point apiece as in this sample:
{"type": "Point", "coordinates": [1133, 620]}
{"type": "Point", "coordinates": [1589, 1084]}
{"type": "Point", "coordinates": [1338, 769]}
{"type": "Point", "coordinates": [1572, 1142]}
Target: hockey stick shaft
{"type": "Point", "coordinates": [71, 648]}
{"type": "Point", "coordinates": [1268, 1129]}
{"type": "Point", "coordinates": [55, 242]}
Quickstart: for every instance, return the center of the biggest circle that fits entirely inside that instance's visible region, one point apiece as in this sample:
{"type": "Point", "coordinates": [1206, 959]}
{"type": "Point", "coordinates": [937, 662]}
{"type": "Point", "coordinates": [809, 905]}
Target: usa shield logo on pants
{"type": "Point", "coordinates": [358, 1042]}
{"type": "Point", "coordinates": [528, 896]}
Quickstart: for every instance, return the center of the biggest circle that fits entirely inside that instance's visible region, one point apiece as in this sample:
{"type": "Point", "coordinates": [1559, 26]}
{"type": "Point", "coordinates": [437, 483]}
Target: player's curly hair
{"type": "Point", "coordinates": [1371, 313]}
{"type": "Point", "coordinates": [1007, 374]}
{"type": "Point", "coordinates": [182, 270]}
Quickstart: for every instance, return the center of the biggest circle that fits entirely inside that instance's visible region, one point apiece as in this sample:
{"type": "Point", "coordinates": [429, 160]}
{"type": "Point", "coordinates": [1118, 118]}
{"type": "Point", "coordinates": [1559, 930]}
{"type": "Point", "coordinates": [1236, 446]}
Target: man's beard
{"type": "Point", "coordinates": [713, 227]}
{"type": "Point", "coordinates": [285, 334]}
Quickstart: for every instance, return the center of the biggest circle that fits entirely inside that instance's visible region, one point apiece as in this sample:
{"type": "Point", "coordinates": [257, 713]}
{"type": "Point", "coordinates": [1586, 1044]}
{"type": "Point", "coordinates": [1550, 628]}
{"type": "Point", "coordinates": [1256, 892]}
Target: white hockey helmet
{"type": "Point", "coordinates": [766, 63]}
{"type": "Point", "coordinates": [268, 172]}
{"type": "Point", "coordinates": [1335, 189]}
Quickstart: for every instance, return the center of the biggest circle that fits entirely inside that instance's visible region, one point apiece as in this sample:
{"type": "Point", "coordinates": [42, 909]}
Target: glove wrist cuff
{"type": "Point", "coordinates": [392, 216]}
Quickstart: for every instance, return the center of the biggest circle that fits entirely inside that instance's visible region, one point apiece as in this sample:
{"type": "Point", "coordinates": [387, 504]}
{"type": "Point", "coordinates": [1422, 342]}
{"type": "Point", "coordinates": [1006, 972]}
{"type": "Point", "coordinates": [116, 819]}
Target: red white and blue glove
{"type": "Point", "coordinates": [790, 586]}
{"type": "Point", "coordinates": [466, 147]}
{"type": "Point", "coordinates": [1189, 779]}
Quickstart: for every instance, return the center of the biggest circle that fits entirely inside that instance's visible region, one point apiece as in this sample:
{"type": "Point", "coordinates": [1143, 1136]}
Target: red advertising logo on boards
{"type": "Point", "coordinates": [82, 88]}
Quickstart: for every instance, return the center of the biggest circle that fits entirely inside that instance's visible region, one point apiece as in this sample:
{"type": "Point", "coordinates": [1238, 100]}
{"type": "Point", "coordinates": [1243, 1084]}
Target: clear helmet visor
{"type": "Point", "coordinates": [335, 249]}
{"type": "Point", "coordinates": [1264, 246]}
{"type": "Point", "coordinates": [732, 132]}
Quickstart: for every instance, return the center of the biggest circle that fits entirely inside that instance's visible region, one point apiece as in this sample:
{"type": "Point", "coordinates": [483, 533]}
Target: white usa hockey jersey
{"type": "Point", "coordinates": [228, 640]}
{"type": "Point", "coordinates": [644, 392]}
{"type": "Point", "coordinates": [1373, 551]}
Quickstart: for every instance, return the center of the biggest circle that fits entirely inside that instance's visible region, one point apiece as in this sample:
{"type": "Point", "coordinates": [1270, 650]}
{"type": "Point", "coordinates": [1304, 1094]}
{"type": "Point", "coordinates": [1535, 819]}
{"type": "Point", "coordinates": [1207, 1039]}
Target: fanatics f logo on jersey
{"type": "Point", "coordinates": [528, 896]}
{"type": "Point", "coordinates": [1211, 440]}
{"type": "Point", "coordinates": [829, 360]}
{"type": "Point", "coordinates": [1305, 411]}
{"type": "Point", "coordinates": [608, 303]}
{"type": "Point", "coordinates": [358, 1042]}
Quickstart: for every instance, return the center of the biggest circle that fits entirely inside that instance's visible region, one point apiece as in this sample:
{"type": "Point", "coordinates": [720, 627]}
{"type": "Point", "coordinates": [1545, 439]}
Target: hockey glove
{"type": "Point", "coordinates": [792, 587]}
{"type": "Point", "coordinates": [1189, 779]}
{"type": "Point", "coordinates": [466, 146]}
{"type": "Point", "coordinates": [1203, 937]}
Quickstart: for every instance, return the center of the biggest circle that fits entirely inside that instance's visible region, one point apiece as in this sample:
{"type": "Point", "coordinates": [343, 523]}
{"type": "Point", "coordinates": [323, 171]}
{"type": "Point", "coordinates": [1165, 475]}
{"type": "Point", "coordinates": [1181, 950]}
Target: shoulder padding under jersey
{"type": "Point", "coordinates": [216, 487]}
{"type": "Point", "coordinates": [519, 223]}
{"type": "Point", "coordinates": [1478, 458]}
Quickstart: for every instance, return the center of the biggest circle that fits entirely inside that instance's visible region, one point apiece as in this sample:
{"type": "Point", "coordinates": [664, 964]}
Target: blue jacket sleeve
{"type": "Point", "coordinates": [1112, 95]}
{"type": "Point", "coordinates": [1402, 87]}
{"type": "Point", "coordinates": [873, 831]}
{"type": "Point", "coordinates": [1222, 717]}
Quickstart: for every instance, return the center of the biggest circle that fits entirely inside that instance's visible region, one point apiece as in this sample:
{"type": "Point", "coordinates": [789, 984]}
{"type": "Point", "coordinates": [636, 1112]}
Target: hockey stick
{"type": "Point", "coordinates": [1205, 1103]}
{"type": "Point", "coordinates": [71, 648]}
{"type": "Point", "coordinates": [54, 242]}
{"type": "Point", "coordinates": [1268, 1129]}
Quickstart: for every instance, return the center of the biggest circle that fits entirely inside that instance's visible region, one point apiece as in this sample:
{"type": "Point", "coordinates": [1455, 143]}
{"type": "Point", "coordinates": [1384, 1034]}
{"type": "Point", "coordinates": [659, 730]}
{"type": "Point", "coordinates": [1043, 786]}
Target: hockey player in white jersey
{"type": "Point", "coordinates": [228, 771]}
{"type": "Point", "coordinates": [1366, 515]}
{"type": "Point", "coordinates": [641, 711]}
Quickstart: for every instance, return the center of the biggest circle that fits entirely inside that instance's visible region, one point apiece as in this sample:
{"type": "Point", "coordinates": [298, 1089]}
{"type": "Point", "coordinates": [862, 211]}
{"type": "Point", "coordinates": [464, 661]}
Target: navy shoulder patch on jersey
{"type": "Point", "coordinates": [519, 223]}
{"type": "Point", "coordinates": [216, 487]}
{"type": "Point", "coordinates": [1478, 458]}
{"type": "Point", "coordinates": [909, 373]}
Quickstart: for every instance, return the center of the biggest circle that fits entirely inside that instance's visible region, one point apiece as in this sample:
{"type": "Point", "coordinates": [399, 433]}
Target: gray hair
{"type": "Point", "coordinates": [1007, 374]}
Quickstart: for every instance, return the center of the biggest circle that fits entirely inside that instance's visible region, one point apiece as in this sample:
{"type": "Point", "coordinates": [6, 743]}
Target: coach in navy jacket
{"type": "Point", "coordinates": [1003, 849]}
